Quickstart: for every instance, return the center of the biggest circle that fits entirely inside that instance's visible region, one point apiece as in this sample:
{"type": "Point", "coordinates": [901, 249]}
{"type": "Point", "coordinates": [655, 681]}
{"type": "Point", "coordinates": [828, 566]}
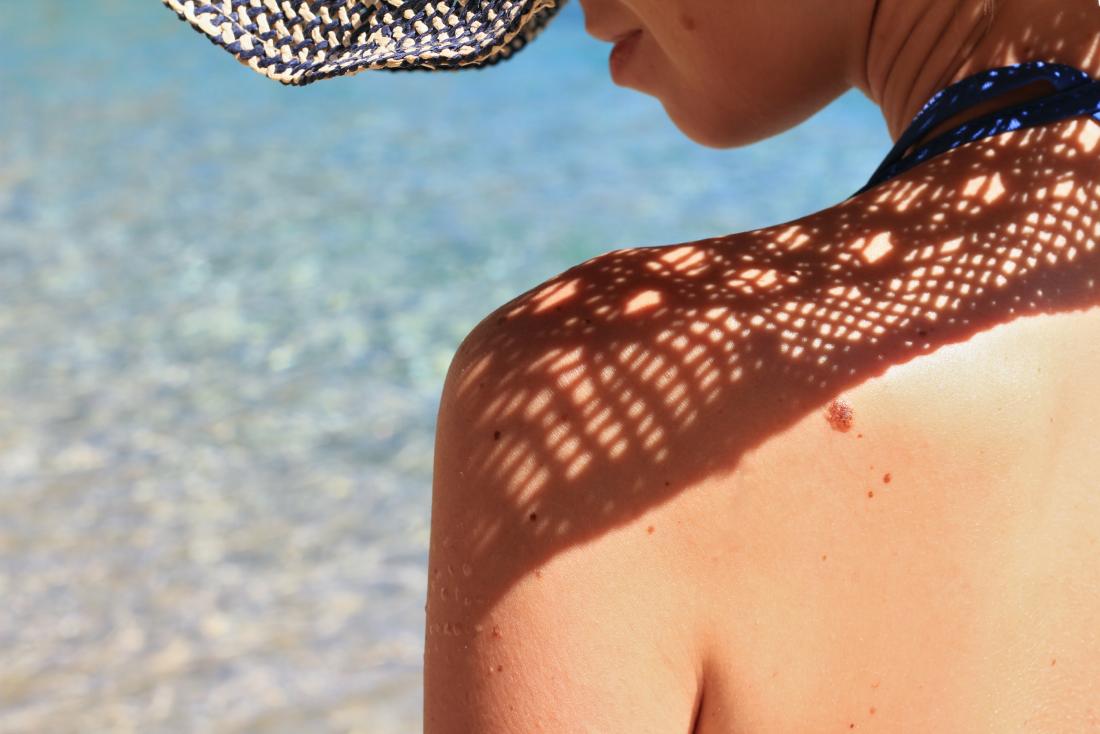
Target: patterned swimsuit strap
{"type": "Point", "coordinates": [1076, 94]}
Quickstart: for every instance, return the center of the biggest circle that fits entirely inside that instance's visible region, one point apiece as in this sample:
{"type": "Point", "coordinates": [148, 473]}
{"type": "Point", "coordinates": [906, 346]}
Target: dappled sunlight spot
{"type": "Point", "coordinates": [628, 351]}
{"type": "Point", "coordinates": [910, 197]}
{"type": "Point", "coordinates": [562, 359]}
{"type": "Point", "coordinates": [766, 279]}
{"type": "Point", "coordinates": [675, 394]}
{"type": "Point", "coordinates": [474, 372]}
{"type": "Point", "coordinates": [994, 190]}
{"type": "Point", "coordinates": [1064, 189]}
{"type": "Point", "coordinates": [556, 431]}
{"type": "Point", "coordinates": [694, 353]}
{"type": "Point", "coordinates": [555, 294]}
{"type": "Point", "coordinates": [578, 465]}
{"type": "Point", "coordinates": [973, 186]}
{"type": "Point", "coordinates": [609, 434]}
{"type": "Point", "coordinates": [531, 487]}
{"type": "Point", "coordinates": [584, 391]}
{"type": "Point", "coordinates": [666, 377]}
{"type": "Point", "coordinates": [568, 448]}
{"type": "Point", "coordinates": [683, 258]}
{"type": "Point", "coordinates": [879, 246]}
{"type": "Point", "coordinates": [655, 364]}
{"type": "Point", "coordinates": [1089, 137]}
{"type": "Point", "coordinates": [523, 482]}
{"type": "Point", "coordinates": [643, 301]}
{"type": "Point", "coordinates": [618, 449]}
{"type": "Point", "coordinates": [792, 238]}
{"type": "Point", "coordinates": [515, 402]}
{"type": "Point", "coordinates": [653, 439]}
{"type": "Point", "coordinates": [567, 377]}
{"type": "Point", "coordinates": [537, 404]}
{"type": "Point", "coordinates": [951, 245]}
{"type": "Point", "coordinates": [514, 455]}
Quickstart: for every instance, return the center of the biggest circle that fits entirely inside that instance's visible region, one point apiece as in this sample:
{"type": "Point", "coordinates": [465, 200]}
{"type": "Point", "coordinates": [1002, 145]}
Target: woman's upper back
{"type": "Point", "coordinates": [668, 498]}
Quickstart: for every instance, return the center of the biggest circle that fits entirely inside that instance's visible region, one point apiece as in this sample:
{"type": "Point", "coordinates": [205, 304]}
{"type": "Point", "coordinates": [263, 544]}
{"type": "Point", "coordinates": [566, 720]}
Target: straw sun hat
{"type": "Point", "coordinates": [301, 41]}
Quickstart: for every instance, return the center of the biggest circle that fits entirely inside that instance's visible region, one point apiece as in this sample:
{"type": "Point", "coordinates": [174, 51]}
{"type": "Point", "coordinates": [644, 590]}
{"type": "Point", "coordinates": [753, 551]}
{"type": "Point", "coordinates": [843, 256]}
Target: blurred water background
{"type": "Point", "coordinates": [226, 311]}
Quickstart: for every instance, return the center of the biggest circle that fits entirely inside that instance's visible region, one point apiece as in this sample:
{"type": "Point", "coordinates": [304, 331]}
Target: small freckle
{"type": "Point", "coordinates": [687, 21]}
{"type": "Point", "coordinates": [851, 726]}
{"type": "Point", "coordinates": [872, 711]}
{"type": "Point", "coordinates": [496, 631]}
{"type": "Point", "coordinates": [496, 435]}
{"type": "Point", "coordinates": [666, 483]}
{"type": "Point", "coordinates": [886, 478]}
{"type": "Point", "coordinates": [1052, 661]}
{"type": "Point", "coordinates": [824, 557]}
{"type": "Point", "coordinates": [870, 493]}
{"type": "Point", "coordinates": [500, 668]}
{"type": "Point", "coordinates": [533, 516]}
{"type": "Point", "coordinates": [650, 529]}
{"type": "Point", "coordinates": [859, 435]}
{"type": "Point", "coordinates": [875, 684]}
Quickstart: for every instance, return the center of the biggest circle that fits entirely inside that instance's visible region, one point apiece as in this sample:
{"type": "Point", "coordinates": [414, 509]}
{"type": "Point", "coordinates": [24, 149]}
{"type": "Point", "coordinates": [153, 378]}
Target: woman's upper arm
{"type": "Point", "coordinates": [525, 632]}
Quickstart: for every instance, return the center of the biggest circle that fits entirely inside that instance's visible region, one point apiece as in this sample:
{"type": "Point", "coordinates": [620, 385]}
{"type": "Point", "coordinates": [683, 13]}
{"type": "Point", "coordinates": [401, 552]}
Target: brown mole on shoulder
{"type": "Point", "coordinates": [839, 415]}
{"type": "Point", "coordinates": [687, 22]}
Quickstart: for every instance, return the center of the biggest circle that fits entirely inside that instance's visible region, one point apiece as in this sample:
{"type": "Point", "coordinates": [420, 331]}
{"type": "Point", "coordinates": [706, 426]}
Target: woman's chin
{"type": "Point", "coordinates": [711, 133]}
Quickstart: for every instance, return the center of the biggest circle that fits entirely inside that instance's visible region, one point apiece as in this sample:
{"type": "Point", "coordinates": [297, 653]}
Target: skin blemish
{"type": "Point", "coordinates": [886, 478]}
{"type": "Point", "coordinates": [496, 632]}
{"type": "Point", "coordinates": [496, 435]}
{"type": "Point", "coordinates": [859, 435]}
{"type": "Point", "coordinates": [1052, 661]}
{"type": "Point", "coordinates": [824, 557]}
{"type": "Point", "coordinates": [870, 493]}
{"type": "Point", "coordinates": [872, 711]}
{"type": "Point", "coordinates": [650, 529]}
{"type": "Point", "coordinates": [533, 517]}
{"type": "Point", "coordinates": [500, 668]}
{"type": "Point", "coordinates": [687, 22]}
{"type": "Point", "coordinates": [839, 415]}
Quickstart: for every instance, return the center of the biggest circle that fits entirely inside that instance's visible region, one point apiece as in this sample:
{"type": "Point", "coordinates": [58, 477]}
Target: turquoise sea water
{"type": "Point", "coordinates": [226, 310]}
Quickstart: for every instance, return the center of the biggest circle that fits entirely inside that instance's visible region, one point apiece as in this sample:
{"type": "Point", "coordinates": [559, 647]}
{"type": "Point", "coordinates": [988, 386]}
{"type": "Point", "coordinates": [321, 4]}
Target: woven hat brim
{"type": "Point", "coordinates": [298, 42]}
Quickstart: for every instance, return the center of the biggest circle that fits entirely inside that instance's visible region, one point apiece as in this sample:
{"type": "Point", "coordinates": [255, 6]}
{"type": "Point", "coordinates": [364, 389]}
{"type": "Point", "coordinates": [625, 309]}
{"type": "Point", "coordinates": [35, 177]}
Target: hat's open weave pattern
{"type": "Point", "coordinates": [301, 41]}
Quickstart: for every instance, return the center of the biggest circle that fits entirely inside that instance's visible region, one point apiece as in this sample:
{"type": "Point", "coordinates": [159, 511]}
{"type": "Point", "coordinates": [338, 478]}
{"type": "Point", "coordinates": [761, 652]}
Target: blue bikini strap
{"type": "Point", "coordinates": [1076, 94]}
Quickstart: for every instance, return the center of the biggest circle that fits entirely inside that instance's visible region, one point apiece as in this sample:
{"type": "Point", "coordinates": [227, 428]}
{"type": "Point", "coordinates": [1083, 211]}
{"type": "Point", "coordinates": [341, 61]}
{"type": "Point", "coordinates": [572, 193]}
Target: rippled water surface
{"type": "Point", "coordinates": [226, 310]}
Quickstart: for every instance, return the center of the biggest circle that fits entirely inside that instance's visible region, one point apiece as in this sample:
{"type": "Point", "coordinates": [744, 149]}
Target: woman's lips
{"type": "Point", "coordinates": [621, 53]}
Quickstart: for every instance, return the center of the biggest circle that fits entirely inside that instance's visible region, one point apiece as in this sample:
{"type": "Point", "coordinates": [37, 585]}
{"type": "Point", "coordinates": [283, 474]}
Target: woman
{"type": "Point", "coordinates": [835, 474]}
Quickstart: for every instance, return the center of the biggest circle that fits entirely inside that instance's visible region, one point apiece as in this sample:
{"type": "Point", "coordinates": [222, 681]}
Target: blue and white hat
{"type": "Point", "coordinates": [301, 41]}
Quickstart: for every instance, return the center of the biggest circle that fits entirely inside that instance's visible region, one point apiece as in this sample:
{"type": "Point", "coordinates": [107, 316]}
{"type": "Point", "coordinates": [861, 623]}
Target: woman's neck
{"type": "Point", "coordinates": [916, 49]}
